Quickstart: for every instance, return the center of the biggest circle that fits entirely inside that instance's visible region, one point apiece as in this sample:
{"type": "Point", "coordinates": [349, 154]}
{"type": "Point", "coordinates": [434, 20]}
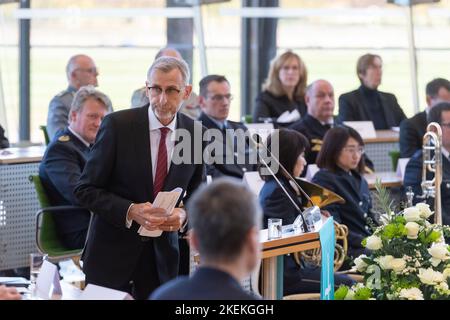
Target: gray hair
{"type": "Point", "coordinates": [221, 215]}
{"type": "Point", "coordinates": [85, 93]}
{"type": "Point", "coordinates": [72, 64]}
{"type": "Point", "coordinates": [167, 64]}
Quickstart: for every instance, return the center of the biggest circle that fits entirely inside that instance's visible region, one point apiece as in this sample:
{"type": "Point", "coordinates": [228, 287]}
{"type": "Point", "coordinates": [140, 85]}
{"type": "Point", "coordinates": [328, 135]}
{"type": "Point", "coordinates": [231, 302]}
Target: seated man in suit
{"type": "Point", "coordinates": [64, 161]}
{"type": "Point", "coordinates": [440, 113]}
{"type": "Point", "coordinates": [367, 103]}
{"type": "Point", "coordinates": [319, 119]}
{"type": "Point", "coordinates": [413, 129]}
{"type": "Point", "coordinates": [4, 143]}
{"type": "Point", "coordinates": [80, 71]}
{"type": "Point", "coordinates": [189, 107]}
{"type": "Point", "coordinates": [227, 238]}
{"type": "Point", "coordinates": [215, 101]}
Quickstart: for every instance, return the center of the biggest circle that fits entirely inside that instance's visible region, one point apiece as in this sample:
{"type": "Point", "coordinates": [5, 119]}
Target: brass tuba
{"type": "Point", "coordinates": [432, 162]}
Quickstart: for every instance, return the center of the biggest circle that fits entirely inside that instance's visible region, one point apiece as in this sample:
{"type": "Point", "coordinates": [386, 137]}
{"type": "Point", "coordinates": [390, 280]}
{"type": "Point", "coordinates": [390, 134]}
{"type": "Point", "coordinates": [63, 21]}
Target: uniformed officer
{"type": "Point", "coordinates": [341, 167]}
{"type": "Point", "coordinates": [215, 98]}
{"type": "Point", "coordinates": [440, 113]}
{"type": "Point", "coordinates": [80, 71]}
{"type": "Point", "coordinates": [319, 119]}
{"type": "Point", "coordinates": [64, 161]}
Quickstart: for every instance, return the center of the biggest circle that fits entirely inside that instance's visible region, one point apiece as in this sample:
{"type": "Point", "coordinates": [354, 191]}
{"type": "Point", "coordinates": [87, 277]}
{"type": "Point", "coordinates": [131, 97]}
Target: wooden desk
{"type": "Point", "coordinates": [272, 255]}
{"type": "Point", "coordinates": [388, 179]}
{"type": "Point", "coordinates": [17, 227]}
{"type": "Point", "coordinates": [377, 149]}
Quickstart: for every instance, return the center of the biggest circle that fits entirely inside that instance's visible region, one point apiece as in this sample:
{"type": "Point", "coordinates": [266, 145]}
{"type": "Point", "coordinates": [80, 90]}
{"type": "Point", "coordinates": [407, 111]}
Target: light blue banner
{"type": "Point", "coordinates": [327, 245]}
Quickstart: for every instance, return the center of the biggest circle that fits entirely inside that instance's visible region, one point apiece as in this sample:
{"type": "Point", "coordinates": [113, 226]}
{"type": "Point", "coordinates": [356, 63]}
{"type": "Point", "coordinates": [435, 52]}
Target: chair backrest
{"type": "Point", "coordinates": [44, 131]}
{"type": "Point", "coordinates": [47, 239]}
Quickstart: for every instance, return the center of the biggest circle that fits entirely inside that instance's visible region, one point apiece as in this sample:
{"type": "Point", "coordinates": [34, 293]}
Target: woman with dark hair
{"type": "Point", "coordinates": [341, 171]}
{"type": "Point", "coordinates": [283, 90]}
{"type": "Point", "coordinates": [4, 143]}
{"type": "Point", "coordinates": [289, 146]}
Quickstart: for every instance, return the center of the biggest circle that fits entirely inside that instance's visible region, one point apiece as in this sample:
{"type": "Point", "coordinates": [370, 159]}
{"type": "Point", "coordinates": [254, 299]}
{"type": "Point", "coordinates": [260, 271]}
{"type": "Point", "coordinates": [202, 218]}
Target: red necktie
{"type": "Point", "coordinates": [161, 164]}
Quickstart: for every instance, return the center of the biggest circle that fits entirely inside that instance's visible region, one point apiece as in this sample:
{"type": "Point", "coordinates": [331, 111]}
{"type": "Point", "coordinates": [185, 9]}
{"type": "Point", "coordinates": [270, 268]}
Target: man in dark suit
{"type": "Point", "coordinates": [4, 143]}
{"type": "Point", "coordinates": [319, 119]}
{"type": "Point", "coordinates": [134, 158]}
{"type": "Point", "coordinates": [64, 160]}
{"type": "Point", "coordinates": [233, 158]}
{"type": "Point", "coordinates": [440, 113]}
{"type": "Point", "coordinates": [413, 129]}
{"type": "Point", "coordinates": [227, 239]}
{"type": "Point", "coordinates": [367, 103]}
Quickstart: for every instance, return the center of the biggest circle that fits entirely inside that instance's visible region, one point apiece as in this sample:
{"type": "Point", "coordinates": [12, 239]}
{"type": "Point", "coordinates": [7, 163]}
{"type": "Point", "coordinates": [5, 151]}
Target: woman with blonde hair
{"type": "Point", "coordinates": [283, 90]}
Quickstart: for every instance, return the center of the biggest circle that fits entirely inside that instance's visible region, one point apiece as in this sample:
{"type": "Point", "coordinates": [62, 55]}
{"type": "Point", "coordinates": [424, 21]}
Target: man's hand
{"type": "Point", "coordinates": [325, 213]}
{"type": "Point", "coordinates": [147, 216]}
{"type": "Point", "coordinates": [9, 293]}
{"type": "Point", "coordinates": [174, 221]}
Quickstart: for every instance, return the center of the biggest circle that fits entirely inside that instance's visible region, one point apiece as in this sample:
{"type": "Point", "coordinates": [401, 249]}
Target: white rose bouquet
{"type": "Point", "coordinates": [409, 260]}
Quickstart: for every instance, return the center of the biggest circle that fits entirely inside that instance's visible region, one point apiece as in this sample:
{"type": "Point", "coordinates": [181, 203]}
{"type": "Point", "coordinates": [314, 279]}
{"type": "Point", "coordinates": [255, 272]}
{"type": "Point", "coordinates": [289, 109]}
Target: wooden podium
{"type": "Point", "coordinates": [272, 259]}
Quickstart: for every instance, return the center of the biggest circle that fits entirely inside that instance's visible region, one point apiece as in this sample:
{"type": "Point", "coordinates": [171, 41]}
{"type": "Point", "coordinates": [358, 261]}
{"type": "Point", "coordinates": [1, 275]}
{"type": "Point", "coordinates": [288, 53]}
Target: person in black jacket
{"type": "Point", "coordinates": [413, 129]}
{"type": "Point", "coordinates": [234, 158]}
{"type": "Point", "coordinates": [367, 103]}
{"type": "Point", "coordinates": [314, 125]}
{"type": "Point", "coordinates": [4, 143]}
{"type": "Point", "coordinates": [440, 113]}
{"type": "Point", "coordinates": [64, 161]}
{"type": "Point", "coordinates": [283, 90]}
{"type": "Point", "coordinates": [227, 239]}
{"type": "Point", "coordinates": [275, 203]}
{"type": "Point", "coordinates": [341, 168]}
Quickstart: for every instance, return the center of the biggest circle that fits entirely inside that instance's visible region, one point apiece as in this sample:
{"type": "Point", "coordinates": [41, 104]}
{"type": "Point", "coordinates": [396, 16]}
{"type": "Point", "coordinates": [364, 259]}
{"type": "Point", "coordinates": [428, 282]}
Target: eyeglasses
{"type": "Point", "coordinates": [169, 92]}
{"type": "Point", "coordinates": [355, 150]}
{"type": "Point", "coordinates": [221, 97]}
{"type": "Point", "coordinates": [88, 70]}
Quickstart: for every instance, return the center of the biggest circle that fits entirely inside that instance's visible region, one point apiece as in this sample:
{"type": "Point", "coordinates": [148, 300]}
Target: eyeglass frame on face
{"type": "Point", "coordinates": [221, 97]}
{"type": "Point", "coordinates": [93, 70]}
{"type": "Point", "coordinates": [354, 150]}
{"type": "Point", "coordinates": [173, 93]}
{"type": "Point", "coordinates": [445, 125]}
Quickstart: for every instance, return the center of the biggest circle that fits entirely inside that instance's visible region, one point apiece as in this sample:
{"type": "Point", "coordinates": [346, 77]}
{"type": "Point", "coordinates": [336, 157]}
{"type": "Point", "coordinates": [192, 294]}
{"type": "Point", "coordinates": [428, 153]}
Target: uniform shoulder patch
{"type": "Point", "coordinates": [64, 138]}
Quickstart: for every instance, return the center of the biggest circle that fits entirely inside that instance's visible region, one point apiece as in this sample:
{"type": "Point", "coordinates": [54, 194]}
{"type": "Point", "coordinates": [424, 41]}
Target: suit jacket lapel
{"type": "Point", "coordinates": [143, 149]}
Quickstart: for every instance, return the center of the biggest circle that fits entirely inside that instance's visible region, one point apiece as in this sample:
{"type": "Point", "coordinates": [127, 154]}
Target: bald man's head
{"type": "Point", "coordinates": [320, 100]}
{"type": "Point", "coordinates": [81, 71]}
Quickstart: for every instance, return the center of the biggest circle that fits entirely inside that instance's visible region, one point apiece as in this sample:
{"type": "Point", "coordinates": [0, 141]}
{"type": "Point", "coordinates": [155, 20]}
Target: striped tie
{"type": "Point", "coordinates": [161, 165]}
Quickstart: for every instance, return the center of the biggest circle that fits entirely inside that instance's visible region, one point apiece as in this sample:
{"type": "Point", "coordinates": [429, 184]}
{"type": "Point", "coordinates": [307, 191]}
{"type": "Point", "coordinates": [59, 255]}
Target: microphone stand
{"type": "Point", "coordinates": [310, 212]}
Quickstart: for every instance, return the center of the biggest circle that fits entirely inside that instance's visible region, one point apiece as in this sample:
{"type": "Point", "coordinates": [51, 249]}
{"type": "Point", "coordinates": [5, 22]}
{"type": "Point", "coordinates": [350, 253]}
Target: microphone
{"type": "Point", "coordinates": [311, 216]}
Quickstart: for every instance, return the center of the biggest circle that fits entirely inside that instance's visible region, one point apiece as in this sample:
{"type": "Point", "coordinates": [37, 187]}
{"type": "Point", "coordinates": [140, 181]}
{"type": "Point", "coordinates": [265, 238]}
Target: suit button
{"type": "Point", "coordinates": [244, 169]}
{"type": "Point", "coordinates": [365, 215]}
{"type": "Point", "coordinates": [360, 203]}
{"type": "Point", "coordinates": [367, 228]}
{"type": "Point", "coordinates": [448, 185]}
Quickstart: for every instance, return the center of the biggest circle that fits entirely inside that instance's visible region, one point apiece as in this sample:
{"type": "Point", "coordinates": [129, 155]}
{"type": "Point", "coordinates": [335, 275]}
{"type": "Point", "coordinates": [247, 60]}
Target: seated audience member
{"type": "Point", "coordinates": [341, 168]}
{"type": "Point", "coordinates": [215, 99]}
{"type": "Point", "coordinates": [227, 239]}
{"type": "Point", "coordinates": [4, 143]}
{"type": "Point", "coordinates": [189, 107]}
{"type": "Point", "coordinates": [65, 158]}
{"type": "Point", "coordinates": [319, 119]}
{"type": "Point", "coordinates": [276, 204]}
{"type": "Point", "coordinates": [440, 113]}
{"type": "Point", "coordinates": [9, 293]}
{"type": "Point", "coordinates": [80, 71]}
{"type": "Point", "coordinates": [413, 129]}
{"type": "Point", "coordinates": [367, 103]}
{"type": "Point", "coordinates": [283, 90]}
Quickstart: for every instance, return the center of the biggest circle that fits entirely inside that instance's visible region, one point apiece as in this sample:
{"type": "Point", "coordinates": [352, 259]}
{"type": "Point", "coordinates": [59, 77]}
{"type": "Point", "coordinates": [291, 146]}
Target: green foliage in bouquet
{"type": "Point", "coordinates": [409, 259]}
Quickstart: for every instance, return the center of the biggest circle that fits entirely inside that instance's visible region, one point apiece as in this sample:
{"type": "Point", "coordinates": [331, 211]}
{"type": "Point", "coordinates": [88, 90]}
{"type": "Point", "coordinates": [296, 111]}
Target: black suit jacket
{"type": "Point", "coordinates": [205, 284]}
{"type": "Point", "coordinates": [4, 143]}
{"type": "Point", "coordinates": [117, 174]}
{"type": "Point", "coordinates": [353, 107]}
{"type": "Point", "coordinates": [314, 131]}
{"type": "Point", "coordinates": [411, 134]}
{"type": "Point", "coordinates": [270, 106]}
{"type": "Point", "coordinates": [356, 209]}
{"type": "Point", "coordinates": [60, 170]}
{"type": "Point", "coordinates": [413, 178]}
{"type": "Point", "coordinates": [229, 169]}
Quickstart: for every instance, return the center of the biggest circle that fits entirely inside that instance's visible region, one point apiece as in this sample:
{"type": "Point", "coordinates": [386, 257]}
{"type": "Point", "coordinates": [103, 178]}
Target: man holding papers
{"type": "Point", "coordinates": [134, 158]}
